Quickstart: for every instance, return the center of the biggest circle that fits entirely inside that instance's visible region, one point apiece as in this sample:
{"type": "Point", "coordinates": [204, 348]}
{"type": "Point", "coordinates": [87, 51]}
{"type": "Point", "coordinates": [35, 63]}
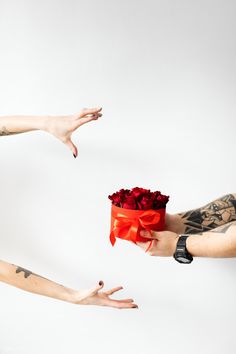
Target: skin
{"type": "Point", "coordinates": [61, 127]}
{"type": "Point", "coordinates": [211, 230]}
{"type": "Point", "coordinates": [34, 283]}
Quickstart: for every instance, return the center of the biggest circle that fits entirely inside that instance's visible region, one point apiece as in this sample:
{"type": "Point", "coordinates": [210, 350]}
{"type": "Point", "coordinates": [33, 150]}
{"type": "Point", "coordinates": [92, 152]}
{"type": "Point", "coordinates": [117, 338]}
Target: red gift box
{"type": "Point", "coordinates": [143, 210]}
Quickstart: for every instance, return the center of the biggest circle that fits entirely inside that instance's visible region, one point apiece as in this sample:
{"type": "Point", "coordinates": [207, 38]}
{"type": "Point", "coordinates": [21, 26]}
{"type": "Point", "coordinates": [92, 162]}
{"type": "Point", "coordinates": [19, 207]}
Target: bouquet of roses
{"type": "Point", "coordinates": [134, 210]}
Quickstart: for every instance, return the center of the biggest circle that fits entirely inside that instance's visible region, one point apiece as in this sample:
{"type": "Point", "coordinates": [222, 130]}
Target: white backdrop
{"type": "Point", "coordinates": [164, 72]}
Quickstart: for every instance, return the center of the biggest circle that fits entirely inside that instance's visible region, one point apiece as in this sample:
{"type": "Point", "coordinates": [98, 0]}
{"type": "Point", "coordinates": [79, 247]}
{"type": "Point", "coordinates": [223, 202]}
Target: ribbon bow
{"type": "Point", "coordinates": [126, 224]}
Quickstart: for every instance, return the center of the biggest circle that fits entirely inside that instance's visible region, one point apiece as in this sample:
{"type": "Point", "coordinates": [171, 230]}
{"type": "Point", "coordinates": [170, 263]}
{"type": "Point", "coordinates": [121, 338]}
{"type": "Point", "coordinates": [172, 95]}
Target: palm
{"type": "Point", "coordinates": [99, 298]}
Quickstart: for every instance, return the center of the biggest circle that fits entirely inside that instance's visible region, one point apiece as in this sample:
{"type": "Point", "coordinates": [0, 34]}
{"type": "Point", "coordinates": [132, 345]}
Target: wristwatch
{"type": "Point", "coordinates": [181, 254]}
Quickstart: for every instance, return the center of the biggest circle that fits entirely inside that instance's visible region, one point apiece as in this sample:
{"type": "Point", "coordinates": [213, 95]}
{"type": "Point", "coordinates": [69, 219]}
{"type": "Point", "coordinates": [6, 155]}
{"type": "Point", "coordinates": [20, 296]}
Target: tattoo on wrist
{"type": "Point", "coordinates": [211, 216]}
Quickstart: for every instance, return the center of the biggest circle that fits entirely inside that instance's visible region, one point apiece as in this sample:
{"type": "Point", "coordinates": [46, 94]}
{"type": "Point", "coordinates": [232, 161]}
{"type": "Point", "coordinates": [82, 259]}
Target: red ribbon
{"type": "Point", "coordinates": [127, 224]}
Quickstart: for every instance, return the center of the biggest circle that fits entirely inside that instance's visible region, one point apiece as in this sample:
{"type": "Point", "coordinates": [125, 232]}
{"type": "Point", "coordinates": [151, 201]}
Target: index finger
{"type": "Point", "coordinates": [87, 111]}
{"type": "Point", "coordinates": [120, 305]}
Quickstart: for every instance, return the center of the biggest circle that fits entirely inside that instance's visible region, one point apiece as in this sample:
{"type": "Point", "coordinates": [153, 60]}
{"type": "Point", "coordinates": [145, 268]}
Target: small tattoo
{"type": "Point", "coordinates": [26, 272]}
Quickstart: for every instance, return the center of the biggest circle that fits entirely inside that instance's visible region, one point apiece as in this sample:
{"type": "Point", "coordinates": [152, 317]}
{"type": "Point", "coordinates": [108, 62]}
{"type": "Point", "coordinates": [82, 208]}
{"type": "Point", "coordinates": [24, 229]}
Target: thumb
{"type": "Point", "coordinates": [72, 147]}
{"type": "Point", "coordinates": [97, 288]}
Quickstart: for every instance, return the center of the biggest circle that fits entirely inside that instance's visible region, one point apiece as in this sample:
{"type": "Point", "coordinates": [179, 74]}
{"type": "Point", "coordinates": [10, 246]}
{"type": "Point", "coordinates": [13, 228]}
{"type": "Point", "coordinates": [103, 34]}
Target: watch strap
{"type": "Point", "coordinates": [181, 244]}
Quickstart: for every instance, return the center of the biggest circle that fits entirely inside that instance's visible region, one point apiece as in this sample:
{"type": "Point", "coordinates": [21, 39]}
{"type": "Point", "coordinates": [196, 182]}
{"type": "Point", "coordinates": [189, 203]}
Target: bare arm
{"type": "Point", "coordinates": [220, 242]}
{"type": "Point", "coordinates": [34, 283]}
{"type": "Point", "coordinates": [10, 125]}
{"type": "Point", "coordinates": [61, 127]}
{"type": "Point", "coordinates": [214, 214]}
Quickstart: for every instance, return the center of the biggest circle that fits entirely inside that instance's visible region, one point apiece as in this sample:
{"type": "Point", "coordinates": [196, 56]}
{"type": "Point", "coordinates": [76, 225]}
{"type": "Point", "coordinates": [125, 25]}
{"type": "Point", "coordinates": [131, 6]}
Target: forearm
{"type": "Point", "coordinates": [218, 243]}
{"type": "Point", "coordinates": [206, 218]}
{"type": "Point", "coordinates": [31, 282]}
{"type": "Point", "coordinates": [20, 124]}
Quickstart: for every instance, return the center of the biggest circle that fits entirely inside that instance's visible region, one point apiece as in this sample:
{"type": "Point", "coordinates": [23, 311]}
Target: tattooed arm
{"type": "Point", "coordinates": [212, 215]}
{"type": "Point", "coordinates": [61, 127]}
{"type": "Point", "coordinates": [31, 282]}
{"type": "Point", "coordinates": [220, 242]}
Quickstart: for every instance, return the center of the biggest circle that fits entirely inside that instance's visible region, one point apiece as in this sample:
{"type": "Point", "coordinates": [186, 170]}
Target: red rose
{"type": "Point", "coordinates": [139, 192]}
{"type": "Point", "coordinates": [115, 198]}
{"type": "Point", "coordinates": [129, 203]}
{"type": "Point", "coordinates": [145, 203]}
{"type": "Point", "coordinates": [118, 197]}
{"type": "Point", "coordinates": [160, 201]}
{"type": "Point", "coordinates": [139, 199]}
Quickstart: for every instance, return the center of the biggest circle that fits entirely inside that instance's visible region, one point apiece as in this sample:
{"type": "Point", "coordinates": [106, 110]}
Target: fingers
{"type": "Point", "coordinates": [119, 304]}
{"type": "Point", "coordinates": [126, 300]}
{"type": "Point", "coordinates": [149, 234]}
{"type": "Point", "coordinates": [87, 119]}
{"type": "Point", "coordinates": [114, 290]}
{"type": "Point", "coordinates": [90, 111]}
{"type": "Point", "coordinates": [149, 247]}
{"type": "Point", "coordinates": [72, 147]}
{"type": "Point", "coordinates": [145, 245]}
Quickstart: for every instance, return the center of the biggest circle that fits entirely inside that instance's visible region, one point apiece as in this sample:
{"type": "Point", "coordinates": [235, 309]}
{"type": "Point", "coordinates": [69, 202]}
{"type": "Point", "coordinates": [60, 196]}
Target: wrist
{"type": "Point", "coordinates": [174, 244]}
{"type": "Point", "coordinates": [68, 295]}
{"type": "Point", "coordinates": [46, 123]}
{"type": "Point", "coordinates": [174, 223]}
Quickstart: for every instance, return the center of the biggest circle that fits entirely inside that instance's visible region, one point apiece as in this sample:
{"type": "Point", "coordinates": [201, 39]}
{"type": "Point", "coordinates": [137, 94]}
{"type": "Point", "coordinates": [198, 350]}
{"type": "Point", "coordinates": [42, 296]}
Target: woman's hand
{"type": "Point", "coordinates": [63, 127]}
{"type": "Point", "coordinates": [96, 297]}
{"type": "Point", "coordinates": [34, 283]}
{"type": "Point", "coordinates": [161, 243]}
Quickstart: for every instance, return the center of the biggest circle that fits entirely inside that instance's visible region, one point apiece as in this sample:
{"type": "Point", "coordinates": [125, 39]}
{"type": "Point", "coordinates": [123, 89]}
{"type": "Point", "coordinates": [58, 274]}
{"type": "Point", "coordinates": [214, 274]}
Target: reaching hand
{"type": "Point", "coordinates": [63, 127]}
{"type": "Point", "coordinates": [96, 297]}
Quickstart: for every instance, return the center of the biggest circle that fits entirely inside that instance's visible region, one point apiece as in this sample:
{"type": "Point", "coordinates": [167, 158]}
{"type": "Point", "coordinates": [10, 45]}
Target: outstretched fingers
{"type": "Point", "coordinates": [121, 304]}
{"type": "Point", "coordinates": [89, 111]}
{"type": "Point", "coordinates": [87, 119]}
{"type": "Point", "coordinates": [114, 290]}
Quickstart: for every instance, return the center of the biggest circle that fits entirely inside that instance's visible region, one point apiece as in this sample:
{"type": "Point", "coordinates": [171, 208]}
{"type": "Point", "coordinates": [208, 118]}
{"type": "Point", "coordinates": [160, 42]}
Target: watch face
{"type": "Point", "coordinates": [183, 260]}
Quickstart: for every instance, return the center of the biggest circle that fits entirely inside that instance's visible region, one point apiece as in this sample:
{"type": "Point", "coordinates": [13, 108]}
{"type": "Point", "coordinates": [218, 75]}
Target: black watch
{"type": "Point", "coordinates": [181, 254]}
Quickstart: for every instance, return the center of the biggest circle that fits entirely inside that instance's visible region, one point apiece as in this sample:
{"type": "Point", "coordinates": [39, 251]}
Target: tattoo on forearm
{"type": "Point", "coordinates": [211, 216]}
{"type": "Point", "coordinates": [4, 132]}
{"type": "Point", "coordinates": [26, 272]}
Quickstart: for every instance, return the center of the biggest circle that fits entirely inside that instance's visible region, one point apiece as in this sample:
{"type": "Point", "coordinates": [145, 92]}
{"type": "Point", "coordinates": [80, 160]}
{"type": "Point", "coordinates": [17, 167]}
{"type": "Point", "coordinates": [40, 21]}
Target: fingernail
{"type": "Point", "coordinates": [100, 283]}
{"type": "Point", "coordinates": [74, 156]}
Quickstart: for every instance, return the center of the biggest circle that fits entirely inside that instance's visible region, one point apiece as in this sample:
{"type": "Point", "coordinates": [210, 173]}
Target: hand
{"type": "Point", "coordinates": [63, 127]}
{"type": "Point", "coordinates": [162, 243]}
{"type": "Point", "coordinates": [95, 297]}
